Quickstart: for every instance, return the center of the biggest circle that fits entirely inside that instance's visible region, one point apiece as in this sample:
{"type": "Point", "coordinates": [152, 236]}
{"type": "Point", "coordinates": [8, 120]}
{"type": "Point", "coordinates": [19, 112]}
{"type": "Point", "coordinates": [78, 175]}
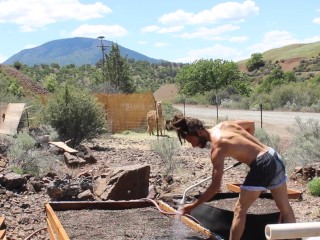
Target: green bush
{"type": "Point", "coordinates": [167, 148]}
{"type": "Point", "coordinates": [169, 110]}
{"type": "Point", "coordinates": [24, 159]}
{"type": "Point", "coordinates": [22, 143]}
{"type": "Point", "coordinates": [314, 186]}
{"type": "Point", "coordinates": [270, 140]}
{"type": "Point", "coordinates": [75, 114]}
{"type": "Point", "coordinates": [305, 146]}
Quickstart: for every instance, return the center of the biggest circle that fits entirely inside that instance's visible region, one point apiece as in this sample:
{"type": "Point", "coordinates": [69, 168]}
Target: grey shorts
{"type": "Point", "coordinates": [267, 172]}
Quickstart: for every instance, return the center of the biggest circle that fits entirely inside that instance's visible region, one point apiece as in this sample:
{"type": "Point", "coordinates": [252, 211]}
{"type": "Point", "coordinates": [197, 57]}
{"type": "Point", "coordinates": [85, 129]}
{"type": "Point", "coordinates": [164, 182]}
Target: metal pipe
{"type": "Point", "coordinates": [183, 200]}
{"type": "Point", "coordinates": [292, 230]}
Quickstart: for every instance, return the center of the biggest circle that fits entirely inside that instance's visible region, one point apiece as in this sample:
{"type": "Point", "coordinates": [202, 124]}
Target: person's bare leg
{"type": "Point", "coordinates": [280, 196]}
{"type": "Point", "coordinates": [246, 198]}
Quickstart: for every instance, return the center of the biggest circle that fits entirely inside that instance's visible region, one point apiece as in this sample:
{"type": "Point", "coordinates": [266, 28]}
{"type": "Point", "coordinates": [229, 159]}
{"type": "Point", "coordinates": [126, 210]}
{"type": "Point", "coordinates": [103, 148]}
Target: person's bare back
{"type": "Point", "coordinates": [237, 141]}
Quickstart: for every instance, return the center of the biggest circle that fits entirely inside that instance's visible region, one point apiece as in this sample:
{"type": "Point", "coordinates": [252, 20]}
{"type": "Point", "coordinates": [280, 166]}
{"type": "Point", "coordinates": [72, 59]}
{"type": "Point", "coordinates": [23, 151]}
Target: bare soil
{"type": "Point", "coordinates": [137, 223]}
{"type": "Point", "coordinates": [191, 166]}
{"type": "Point", "coordinates": [260, 206]}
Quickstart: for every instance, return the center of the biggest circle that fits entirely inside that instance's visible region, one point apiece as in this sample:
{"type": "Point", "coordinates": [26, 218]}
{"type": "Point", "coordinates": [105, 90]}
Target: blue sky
{"type": "Point", "coordinates": [173, 30]}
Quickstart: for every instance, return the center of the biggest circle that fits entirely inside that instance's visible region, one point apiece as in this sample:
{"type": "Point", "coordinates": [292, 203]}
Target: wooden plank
{"type": "Point", "coordinates": [110, 205]}
{"type": "Point", "coordinates": [3, 235]}
{"type": "Point", "coordinates": [1, 222]}
{"type": "Point", "coordinates": [50, 230]}
{"type": "Point", "coordinates": [12, 118]}
{"type": "Point", "coordinates": [190, 223]}
{"type": "Point", "coordinates": [292, 194]}
{"type": "Point", "coordinates": [64, 146]}
{"type": "Point", "coordinates": [55, 223]}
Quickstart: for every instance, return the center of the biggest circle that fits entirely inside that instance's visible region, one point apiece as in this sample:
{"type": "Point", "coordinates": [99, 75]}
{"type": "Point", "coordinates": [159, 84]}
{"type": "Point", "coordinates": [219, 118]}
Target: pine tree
{"type": "Point", "coordinates": [117, 71]}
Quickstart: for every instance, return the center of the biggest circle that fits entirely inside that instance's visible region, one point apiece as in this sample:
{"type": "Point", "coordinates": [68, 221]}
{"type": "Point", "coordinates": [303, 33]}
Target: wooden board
{"type": "Point", "coordinates": [3, 235]}
{"type": "Point", "coordinates": [1, 222]}
{"type": "Point", "coordinates": [57, 232]}
{"type": "Point", "coordinates": [292, 194]}
{"type": "Point", "coordinates": [12, 118]}
{"type": "Point", "coordinates": [64, 146]}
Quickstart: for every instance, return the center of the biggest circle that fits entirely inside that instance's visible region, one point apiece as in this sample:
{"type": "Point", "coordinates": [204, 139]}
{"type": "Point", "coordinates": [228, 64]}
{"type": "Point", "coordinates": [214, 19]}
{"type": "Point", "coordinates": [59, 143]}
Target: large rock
{"type": "Point", "coordinates": [12, 181]}
{"type": "Point", "coordinates": [86, 153]}
{"type": "Point", "coordinates": [73, 161]}
{"type": "Point", "coordinates": [125, 183]}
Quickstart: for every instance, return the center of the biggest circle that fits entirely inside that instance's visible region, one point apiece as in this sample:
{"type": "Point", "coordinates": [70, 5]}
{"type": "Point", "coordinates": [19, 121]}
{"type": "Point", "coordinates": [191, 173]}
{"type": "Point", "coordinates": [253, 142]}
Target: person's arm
{"type": "Point", "coordinates": [248, 125]}
{"type": "Point", "coordinates": [217, 172]}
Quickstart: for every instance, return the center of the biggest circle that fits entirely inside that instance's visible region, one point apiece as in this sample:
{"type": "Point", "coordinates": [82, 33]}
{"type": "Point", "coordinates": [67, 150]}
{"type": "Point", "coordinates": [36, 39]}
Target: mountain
{"type": "Point", "coordinates": [77, 51]}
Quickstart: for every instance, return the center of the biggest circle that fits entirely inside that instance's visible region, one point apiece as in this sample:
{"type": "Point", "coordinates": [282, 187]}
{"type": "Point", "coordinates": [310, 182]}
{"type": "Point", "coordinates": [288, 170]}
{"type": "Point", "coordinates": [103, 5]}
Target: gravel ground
{"type": "Point", "coordinates": [191, 166]}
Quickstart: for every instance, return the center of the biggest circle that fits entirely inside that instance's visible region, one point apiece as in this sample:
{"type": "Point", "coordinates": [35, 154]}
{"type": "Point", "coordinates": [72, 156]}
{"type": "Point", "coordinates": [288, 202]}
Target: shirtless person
{"type": "Point", "coordinates": [235, 139]}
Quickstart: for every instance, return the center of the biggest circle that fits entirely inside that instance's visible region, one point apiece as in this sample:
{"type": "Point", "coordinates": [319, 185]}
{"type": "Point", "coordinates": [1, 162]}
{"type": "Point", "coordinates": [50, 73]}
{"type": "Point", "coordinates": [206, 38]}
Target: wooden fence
{"type": "Point", "coordinates": [127, 111]}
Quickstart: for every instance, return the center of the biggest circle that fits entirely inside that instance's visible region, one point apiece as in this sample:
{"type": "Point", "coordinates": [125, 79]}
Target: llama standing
{"type": "Point", "coordinates": [155, 117]}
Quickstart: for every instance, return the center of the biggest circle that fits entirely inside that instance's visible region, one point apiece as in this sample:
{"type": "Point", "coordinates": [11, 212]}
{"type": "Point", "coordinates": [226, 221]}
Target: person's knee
{"type": "Point", "coordinates": [285, 208]}
{"type": "Point", "coordinates": [239, 211]}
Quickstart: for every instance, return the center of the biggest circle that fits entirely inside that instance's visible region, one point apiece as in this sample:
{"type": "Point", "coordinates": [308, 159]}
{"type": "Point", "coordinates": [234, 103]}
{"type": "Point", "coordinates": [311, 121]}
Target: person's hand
{"type": "Point", "coordinates": [186, 209]}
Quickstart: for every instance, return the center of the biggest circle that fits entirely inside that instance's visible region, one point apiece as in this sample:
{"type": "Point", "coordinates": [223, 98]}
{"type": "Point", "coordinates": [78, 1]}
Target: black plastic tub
{"type": "Point", "coordinates": [219, 221]}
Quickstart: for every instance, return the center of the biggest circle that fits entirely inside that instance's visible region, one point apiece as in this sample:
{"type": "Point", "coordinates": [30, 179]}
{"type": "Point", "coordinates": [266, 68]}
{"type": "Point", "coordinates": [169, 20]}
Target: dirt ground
{"type": "Point", "coordinates": [191, 166]}
{"type": "Point", "coordinates": [140, 223]}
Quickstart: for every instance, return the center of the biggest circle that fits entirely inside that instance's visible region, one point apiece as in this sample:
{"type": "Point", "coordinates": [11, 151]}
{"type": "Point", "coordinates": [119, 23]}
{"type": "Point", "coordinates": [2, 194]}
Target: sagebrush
{"type": "Point", "coordinates": [305, 147]}
{"type": "Point", "coordinates": [167, 149]}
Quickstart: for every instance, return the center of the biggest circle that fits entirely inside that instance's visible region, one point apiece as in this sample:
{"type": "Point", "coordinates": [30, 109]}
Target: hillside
{"type": "Point", "coordinates": [77, 51]}
{"type": "Point", "coordinates": [289, 56]}
{"type": "Point", "coordinates": [29, 86]}
{"type": "Point", "coordinates": [303, 60]}
{"type": "Point", "coordinates": [80, 51]}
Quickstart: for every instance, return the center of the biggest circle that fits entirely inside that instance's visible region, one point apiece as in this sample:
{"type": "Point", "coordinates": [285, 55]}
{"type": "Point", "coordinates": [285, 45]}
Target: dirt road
{"type": "Point", "coordinates": [274, 122]}
{"type": "Point", "coordinates": [268, 117]}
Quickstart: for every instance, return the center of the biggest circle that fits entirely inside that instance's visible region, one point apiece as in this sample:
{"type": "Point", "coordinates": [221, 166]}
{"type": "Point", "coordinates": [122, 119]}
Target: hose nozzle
{"type": "Point", "coordinates": [182, 201]}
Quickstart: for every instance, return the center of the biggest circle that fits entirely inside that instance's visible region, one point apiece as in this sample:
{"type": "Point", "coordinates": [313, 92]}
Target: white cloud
{"type": "Point", "coordinates": [142, 42]}
{"type": "Point", "coordinates": [31, 45]}
{"type": "Point", "coordinates": [31, 14]}
{"type": "Point", "coordinates": [93, 31]}
{"type": "Point", "coordinates": [232, 11]}
{"type": "Point", "coordinates": [209, 33]}
{"type": "Point", "coordinates": [238, 39]}
{"type": "Point", "coordinates": [177, 18]}
{"type": "Point", "coordinates": [2, 58]}
{"type": "Point", "coordinates": [316, 21]}
{"type": "Point", "coordinates": [158, 29]}
{"type": "Point", "coordinates": [312, 39]}
{"type": "Point", "coordinates": [152, 28]}
{"type": "Point", "coordinates": [273, 39]}
{"type": "Point", "coordinates": [160, 44]}
{"type": "Point", "coordinates": [217, 51]}
{"type": "Point", "coordinates": [170, 29]}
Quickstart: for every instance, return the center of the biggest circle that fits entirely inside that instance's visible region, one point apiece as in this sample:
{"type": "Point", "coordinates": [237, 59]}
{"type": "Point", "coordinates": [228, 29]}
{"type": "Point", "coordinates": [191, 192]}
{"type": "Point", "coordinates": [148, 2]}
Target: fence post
{"type": "Point", "coordinates": [261, 114]}
{"type": "Point", "coordinates": [217, 104]}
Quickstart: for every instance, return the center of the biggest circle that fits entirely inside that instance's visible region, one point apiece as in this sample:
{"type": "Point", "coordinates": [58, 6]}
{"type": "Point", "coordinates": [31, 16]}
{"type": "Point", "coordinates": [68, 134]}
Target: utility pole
{"type": "Point", "coordinates": [103, 48]}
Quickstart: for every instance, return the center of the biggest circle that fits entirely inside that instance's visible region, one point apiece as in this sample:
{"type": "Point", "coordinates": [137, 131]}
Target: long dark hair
{"type": "Point", "coordinates": [186, 125]}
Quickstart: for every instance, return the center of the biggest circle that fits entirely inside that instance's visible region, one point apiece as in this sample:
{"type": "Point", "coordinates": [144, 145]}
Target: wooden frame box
{"type": "Point", "coordinates": [57, 232]}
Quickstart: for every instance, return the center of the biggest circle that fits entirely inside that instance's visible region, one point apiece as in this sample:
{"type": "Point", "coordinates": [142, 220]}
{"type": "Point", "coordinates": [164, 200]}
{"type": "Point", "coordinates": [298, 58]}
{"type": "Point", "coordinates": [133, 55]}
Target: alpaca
{"type": "Point", "coordinates": [154, 117]}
